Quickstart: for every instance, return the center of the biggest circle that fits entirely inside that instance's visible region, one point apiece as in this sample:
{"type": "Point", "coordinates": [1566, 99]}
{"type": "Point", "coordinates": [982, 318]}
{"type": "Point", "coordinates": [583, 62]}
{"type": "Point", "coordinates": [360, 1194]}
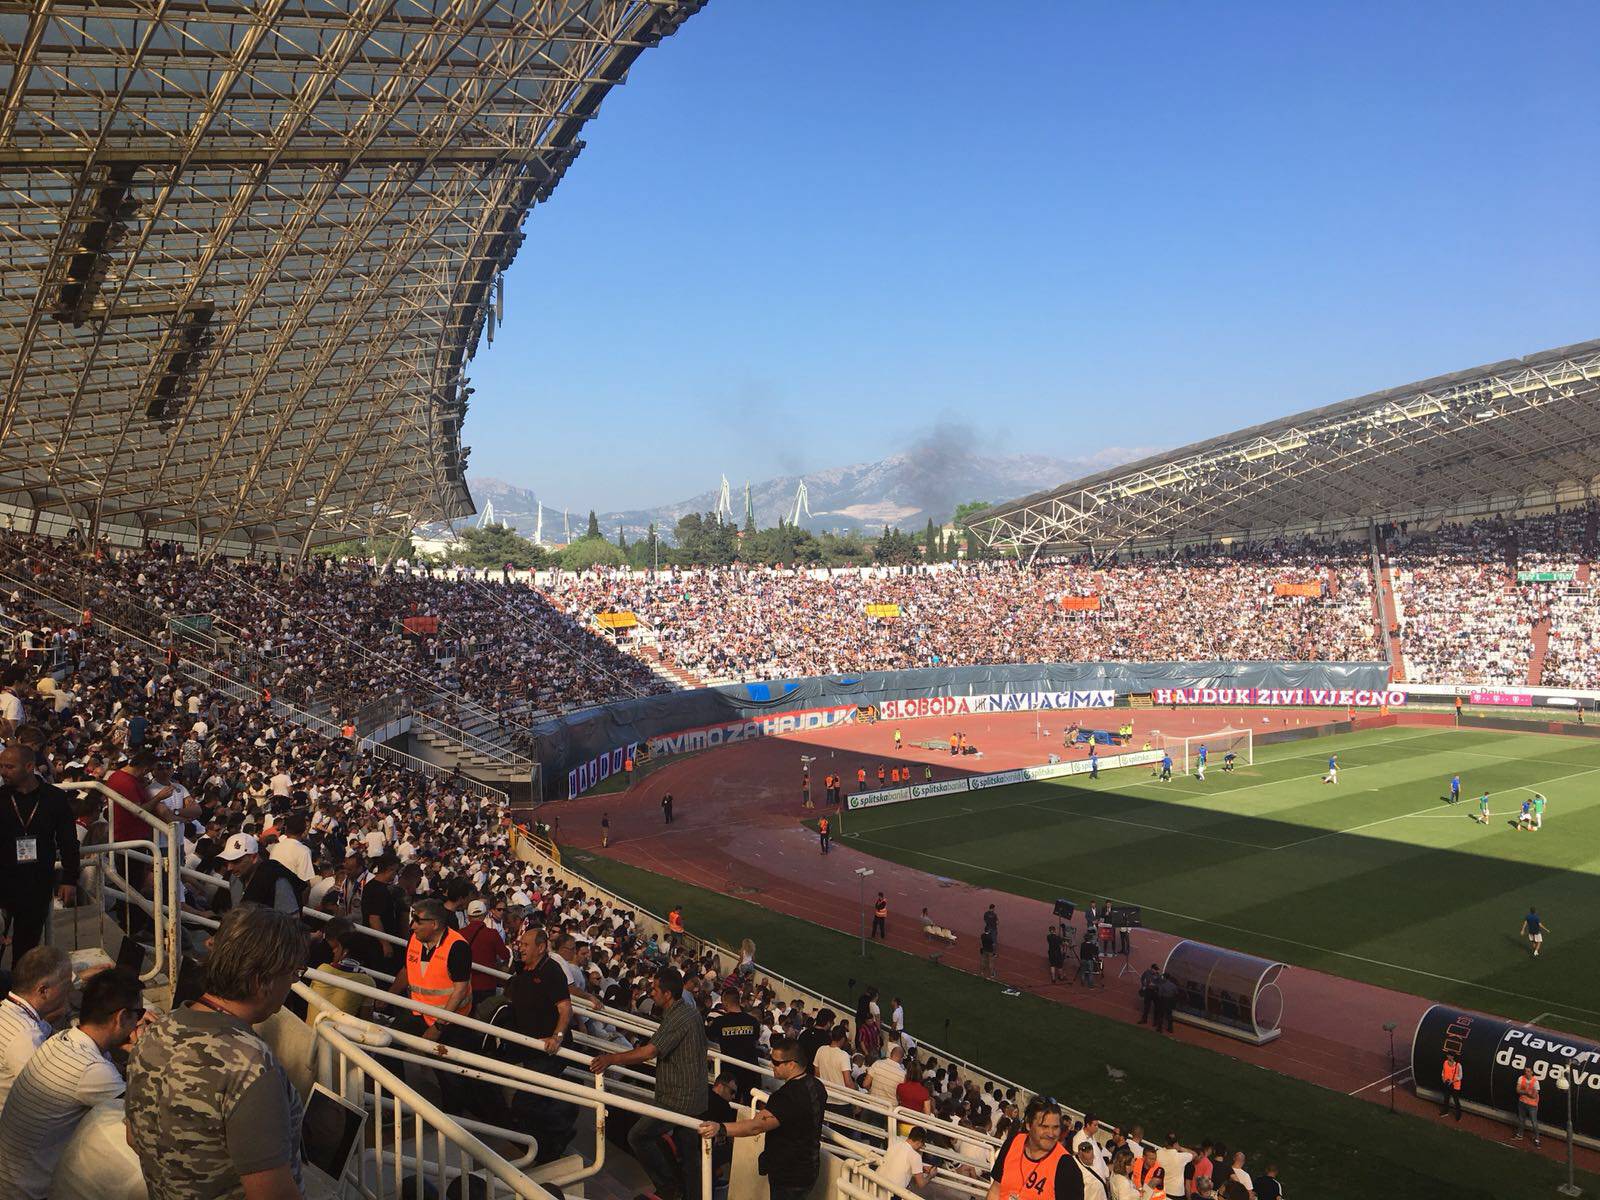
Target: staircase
{"type": "Point", "coordinates": [1391, 601]}
{"type": "Point", "coordinates": [679, 678]}
{"type": "Point", "coordinates": [1540, 635]}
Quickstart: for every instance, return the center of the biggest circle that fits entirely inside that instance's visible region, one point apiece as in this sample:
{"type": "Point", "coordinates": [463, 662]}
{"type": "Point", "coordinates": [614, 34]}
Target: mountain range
{"type": "Point", "coordinates": [903, 490]}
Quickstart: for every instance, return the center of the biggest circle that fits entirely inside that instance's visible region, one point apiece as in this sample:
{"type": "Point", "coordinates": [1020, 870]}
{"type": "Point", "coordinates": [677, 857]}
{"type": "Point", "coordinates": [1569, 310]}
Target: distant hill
{"type": "Point", "coordinates": [903, 490]}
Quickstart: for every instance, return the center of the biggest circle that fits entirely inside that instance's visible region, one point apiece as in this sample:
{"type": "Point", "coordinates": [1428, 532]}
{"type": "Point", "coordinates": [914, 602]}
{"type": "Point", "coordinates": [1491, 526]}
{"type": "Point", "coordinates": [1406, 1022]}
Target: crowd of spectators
{"type": "Point", "coordinates": [765, 623]}
{"type": "Point", "coordinates": [287, 817]}
{"type": "Point", "coordinates": [329, 636]}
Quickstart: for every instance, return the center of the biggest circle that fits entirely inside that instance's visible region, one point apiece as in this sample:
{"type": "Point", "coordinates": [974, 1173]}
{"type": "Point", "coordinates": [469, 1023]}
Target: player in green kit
{"type": "Point", "coordinates": [1483, 809]}
{"type": "Point", "coordinates": [1538, 811]}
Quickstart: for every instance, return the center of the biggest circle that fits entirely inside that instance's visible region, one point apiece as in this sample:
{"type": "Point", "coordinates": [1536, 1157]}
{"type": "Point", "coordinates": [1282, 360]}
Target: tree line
{"type": "Point", "coordinates": [698, 540]}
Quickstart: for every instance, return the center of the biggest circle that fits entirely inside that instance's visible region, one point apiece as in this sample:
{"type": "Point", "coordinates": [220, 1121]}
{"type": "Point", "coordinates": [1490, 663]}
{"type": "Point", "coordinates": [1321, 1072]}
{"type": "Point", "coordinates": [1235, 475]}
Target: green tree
{"type": "Point", "coordinates": [589, 552]}
{"type": "Point", "coordinates": [962, 522]}
{"type": "Point", "coordinates": [622, 540]}
{"type": "Point", "coordinates": [594, 525]}
{"type": "Point", "coordinates": [494, 546]}
{"type": "Point", "coordinates": [930, 541]}
{"type": "Point", "coordinates": [893, 547]}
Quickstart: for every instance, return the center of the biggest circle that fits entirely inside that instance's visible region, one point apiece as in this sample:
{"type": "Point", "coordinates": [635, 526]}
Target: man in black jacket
{"type": "Point", "coordinates": [36, 833]}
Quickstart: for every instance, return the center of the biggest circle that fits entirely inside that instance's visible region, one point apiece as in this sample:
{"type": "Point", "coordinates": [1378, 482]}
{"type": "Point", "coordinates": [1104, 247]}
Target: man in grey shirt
{"type": "Point", "coordinates": [679, 1048]}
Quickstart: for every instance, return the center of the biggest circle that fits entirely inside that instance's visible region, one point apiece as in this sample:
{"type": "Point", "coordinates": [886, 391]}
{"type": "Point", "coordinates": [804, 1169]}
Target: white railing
{"type": "Point", "coordinates": [596, 1094]}
{"type": "Point", "coordinates": [408, 1137]}
{"type": "Point", "coordinates": [858, 1180]}
{"type": "Point", "coordinates": [162, 852]}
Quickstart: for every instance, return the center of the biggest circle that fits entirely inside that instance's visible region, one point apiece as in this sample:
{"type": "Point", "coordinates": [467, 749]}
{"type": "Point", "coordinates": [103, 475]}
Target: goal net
{"type": "Point", "coordinates": [1186, 750]}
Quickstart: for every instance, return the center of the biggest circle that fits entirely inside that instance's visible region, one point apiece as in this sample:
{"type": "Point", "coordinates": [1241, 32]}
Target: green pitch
{"type": "Point", "coordinates": [1375, 878]}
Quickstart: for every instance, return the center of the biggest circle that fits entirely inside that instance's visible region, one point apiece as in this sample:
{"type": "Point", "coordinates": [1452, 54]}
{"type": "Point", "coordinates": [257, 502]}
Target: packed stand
{"type": "Point", "coordinates": [329, 636]}
{"type": "Point", "coordinates": [764, 623]}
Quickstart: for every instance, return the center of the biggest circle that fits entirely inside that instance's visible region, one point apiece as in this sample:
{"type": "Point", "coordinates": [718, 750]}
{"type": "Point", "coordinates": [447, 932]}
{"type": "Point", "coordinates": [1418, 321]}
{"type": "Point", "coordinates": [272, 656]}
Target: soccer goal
{"type": "Point", "coordinates": [1186, 750]}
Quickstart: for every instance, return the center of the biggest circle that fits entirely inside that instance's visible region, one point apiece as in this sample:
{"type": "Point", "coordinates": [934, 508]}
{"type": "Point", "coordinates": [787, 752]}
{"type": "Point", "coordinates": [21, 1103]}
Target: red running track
{"type": "Point", "coordinates": [737, 830]}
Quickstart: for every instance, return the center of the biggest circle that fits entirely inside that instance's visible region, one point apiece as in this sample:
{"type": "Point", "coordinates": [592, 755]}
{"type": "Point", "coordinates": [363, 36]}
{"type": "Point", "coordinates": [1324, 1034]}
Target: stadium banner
{"type": "Point", "coordinates": [422, 626]}
{"type": "Point", "coordinates": [1281, 697]}
{"type": "Point", "coordinates": [1312, 589]}
{"type": "Point", "coordinates": [883, 612]}
{"type": "Point", "coordinates": [1493, 1052]}
{"type": "Point", "coordinates": [564, 741]}
{"type": "Point", "coordinates": [616, 620]}
{"type": "Point", "coordinates": [963, 706]}
{"type": "Point", "coordinates": [687, 741]}
{"type": "Point", "coordinates": [916, 791]}
{"type": "Point", "coordinates": [1081, 603]}
{"type": "Point", "coordinates": [975, 783]}
{"type": "Point", "coordinates": [1513, 699]}
{"type": "Point", "coordinates": [598, 769]}
{"type": "Point", "coordinates": [1546, 576]}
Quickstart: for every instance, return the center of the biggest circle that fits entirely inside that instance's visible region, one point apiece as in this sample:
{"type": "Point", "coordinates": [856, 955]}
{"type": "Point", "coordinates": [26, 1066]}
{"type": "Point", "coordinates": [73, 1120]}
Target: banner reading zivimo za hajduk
{"type": "Point", "coordinates": [1282, 697]}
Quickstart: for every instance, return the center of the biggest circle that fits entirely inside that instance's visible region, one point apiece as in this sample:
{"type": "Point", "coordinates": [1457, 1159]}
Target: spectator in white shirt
{"type": "Point", "coordinates": [281, 783]}
{"type": "Point", "coordinates": [1087, 1137]}
{"type": "Point", "coordinates": [1240, 1175]}
{"type": "Point", "coordinates": [886, 1075]}
{"type": "Point", "coordinates": [832, 1062]}
{"type": "Point", "coordinates": [902, 1165]}
{"type": "Point", "coordinates": [65, 1078]}
{"type": "Point", "coordinates": [290, 850]}
{"type": "Point", "coordinates": [1173, 1159]}
{"type": "Point", "coordinates": [41, 986]}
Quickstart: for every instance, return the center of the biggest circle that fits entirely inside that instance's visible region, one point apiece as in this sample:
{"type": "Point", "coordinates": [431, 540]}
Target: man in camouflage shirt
{"type": "Point", "coordinates": [210, 1111]}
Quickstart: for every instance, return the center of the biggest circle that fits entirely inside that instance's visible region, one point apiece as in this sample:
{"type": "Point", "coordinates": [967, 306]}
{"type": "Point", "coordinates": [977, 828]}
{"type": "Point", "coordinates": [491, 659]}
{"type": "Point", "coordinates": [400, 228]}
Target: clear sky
{"type": "Point", "coordinates": [805, 231]}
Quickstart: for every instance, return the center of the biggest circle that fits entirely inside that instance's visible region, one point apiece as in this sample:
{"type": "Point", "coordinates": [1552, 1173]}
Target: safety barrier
{"type": "Point", "coordinates": [163, 902]}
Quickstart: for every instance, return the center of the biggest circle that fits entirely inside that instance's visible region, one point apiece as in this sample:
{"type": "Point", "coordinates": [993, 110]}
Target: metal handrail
{"type": "Point", "coordinates": [593, 1094]}
{"type": "Point", "coordinates": [164, 863]}
{"type": "Point", "coordinates": [443, 1125]}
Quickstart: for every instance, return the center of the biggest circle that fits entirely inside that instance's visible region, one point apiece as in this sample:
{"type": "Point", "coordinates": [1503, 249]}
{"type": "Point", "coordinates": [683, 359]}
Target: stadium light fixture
{"type": "Point", "coordinates": [862, 875]}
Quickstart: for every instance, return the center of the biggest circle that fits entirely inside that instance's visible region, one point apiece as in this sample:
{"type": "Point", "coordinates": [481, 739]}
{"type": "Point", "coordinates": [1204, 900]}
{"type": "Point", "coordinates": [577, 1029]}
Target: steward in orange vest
{"type": "Point", "coordinates": [1451, 1076]}
{"type": "Point", "coordinates": [861, 777]}
{"type": "Point", "coordinates": [428, 975]}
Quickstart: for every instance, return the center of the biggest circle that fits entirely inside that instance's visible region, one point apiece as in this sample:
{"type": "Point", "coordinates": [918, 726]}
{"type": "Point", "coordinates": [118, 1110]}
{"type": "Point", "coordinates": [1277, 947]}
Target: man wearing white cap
{"type": "Point", "coordinates": [258, 880]}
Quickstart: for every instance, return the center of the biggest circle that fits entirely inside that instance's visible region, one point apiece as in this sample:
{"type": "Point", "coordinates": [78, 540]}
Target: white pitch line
{"type": "Point", "coordinates": [1271, 937]}
{"type": "Point", "coordinates": [1187, 833]}
{"type": "Point", "coordinates": [1383, 1079]}
{"type": "Point", "coordinates": [1429, 809]}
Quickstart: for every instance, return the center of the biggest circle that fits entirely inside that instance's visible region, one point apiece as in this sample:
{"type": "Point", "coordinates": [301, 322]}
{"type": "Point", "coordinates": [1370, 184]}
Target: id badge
{"type": "Point", "coordinates": [28, 850]}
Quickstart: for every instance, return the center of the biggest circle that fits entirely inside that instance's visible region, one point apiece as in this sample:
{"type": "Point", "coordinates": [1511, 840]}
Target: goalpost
{"type": "Point", "coordinates": [1186, 750]}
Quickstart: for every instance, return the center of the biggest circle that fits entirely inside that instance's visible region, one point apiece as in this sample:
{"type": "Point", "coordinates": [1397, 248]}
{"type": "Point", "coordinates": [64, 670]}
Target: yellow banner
{"type": "Point", "coordinates": [616, 620]}
{"type": "Point", "coordinates": [884, 612]}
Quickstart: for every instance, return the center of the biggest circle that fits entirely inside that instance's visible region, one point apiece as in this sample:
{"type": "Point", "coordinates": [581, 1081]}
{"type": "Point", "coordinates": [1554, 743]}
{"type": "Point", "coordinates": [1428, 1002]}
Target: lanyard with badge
{"type": "Point", "coordinates": [27, 847]}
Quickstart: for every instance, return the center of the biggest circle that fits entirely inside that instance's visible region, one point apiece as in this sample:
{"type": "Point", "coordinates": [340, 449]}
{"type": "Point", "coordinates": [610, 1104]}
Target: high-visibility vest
{"type": "Point", "coordinates": [430, 981]}
{"type": "Point", "coordinates": [822, 826]}
{"type": "Point", "coordinates": [881, 909]}
{"type": "Point", "coordinates": [628, 766]}
{"type": "Point", "coordinates": [861, 774]}
{"type": "Point", "coordinates": [1452, 1075]}
{"type": "Point", "coordinates": [1527, 1090]}
{"type": "Point", "coordinates": [675, 921]}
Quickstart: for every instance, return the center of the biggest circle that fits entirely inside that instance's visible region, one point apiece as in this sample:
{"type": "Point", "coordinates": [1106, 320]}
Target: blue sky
{"type": "Point", "coordinates": [804, 232]}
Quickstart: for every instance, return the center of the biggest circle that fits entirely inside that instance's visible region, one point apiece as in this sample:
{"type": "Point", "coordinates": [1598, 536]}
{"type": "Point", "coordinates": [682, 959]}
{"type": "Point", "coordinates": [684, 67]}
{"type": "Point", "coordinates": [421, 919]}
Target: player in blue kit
{"type": "Point", "coordinates": [1455, 788]}
{"type": "Point", "coordinates": [1333, 769]}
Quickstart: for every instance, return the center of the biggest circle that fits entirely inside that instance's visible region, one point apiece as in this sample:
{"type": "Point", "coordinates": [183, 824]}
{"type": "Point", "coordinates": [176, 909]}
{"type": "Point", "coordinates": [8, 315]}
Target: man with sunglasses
{"type": "Point", "coordinates": [792, 1121]}
{"type": "Point", "coordinates": [1033, 1164]}
{"type": "Point", "coordinates": [438, 967]}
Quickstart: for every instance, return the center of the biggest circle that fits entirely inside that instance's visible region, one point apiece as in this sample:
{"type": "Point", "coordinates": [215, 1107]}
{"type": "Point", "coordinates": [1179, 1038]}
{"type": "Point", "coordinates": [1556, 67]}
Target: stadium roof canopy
{"type": "Point", "coordinates": [1511, 435]}
{"type": "Point", "coordinates": [246, 246]}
